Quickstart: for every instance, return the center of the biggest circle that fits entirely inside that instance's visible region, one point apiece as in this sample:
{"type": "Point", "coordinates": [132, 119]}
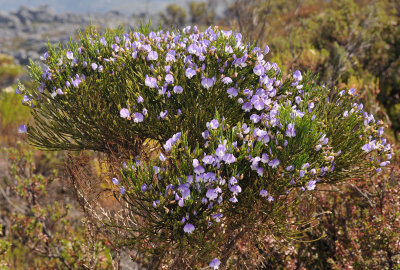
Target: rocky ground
{"type": "Point", "coordinates": [24, 33]}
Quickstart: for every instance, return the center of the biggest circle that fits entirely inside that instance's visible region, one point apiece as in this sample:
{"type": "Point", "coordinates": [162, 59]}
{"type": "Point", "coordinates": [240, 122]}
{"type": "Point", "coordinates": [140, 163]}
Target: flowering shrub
{"type": "Point", "coordinates": [215, 144]}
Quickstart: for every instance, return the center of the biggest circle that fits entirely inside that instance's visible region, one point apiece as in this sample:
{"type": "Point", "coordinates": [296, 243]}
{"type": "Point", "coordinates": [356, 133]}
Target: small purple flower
{"type": "Point", "coordinates": [290, 132]}
{"type": "Point", "coordinates": [215, 263]}
{"type": "Point", "coordinates": [143, 188]}
{"type": "Point", "coordinates": [263, 193]}
{"type": "Point", "coordinates": [124, 113]}
{"type": "Point", "coordinates": [190, 73]}
{"type": "Point", "coordinates": [211, 194]}
{"type": "Point", "coordinates": [207, 82]}
{"type": "Point", "coordinates": [274, 163]}
{"type": "Point", "coordinates": [247, 106]}
{"type": "Point", "coordinates": [232, 92]}
{"type": "Point", "coordinates": [178, 89]}
{"type": "Point", "coordinates": [163, 114]}
{"type": "Point", "coordinates": [140, 99]}
{"type": "Point", "coordinates": [208, 159]}
{"type": "Point", "coordinates": [233, 199]}
{"type": "Point", "coordinates": [122, 190]}
{"type": "Point", "coordinates": [103, 41]}
{"type": "Point", "coordinates": [188, 228]}
{"type": "Point", "coordinates": [311, 185]}
{"type": "Point", "coordinates": [22, 129]}
{"type": "Point", "coordinates": [259, 105]}
{"type": "Point", "coordinates": [310, 106]}
{"type": "Point", "coordinates": [169, 78]}
{"type": "Point", "coordinates": [150, 82]}
{"type": "Point", "coordinates": [217, 217]}
{"type": "Point", "coordinates": [258, 70]}
{"type": "Point", "coordinates": [266, 49]}
{"type": "Point", "coordinates": [235, 189]}
{"type": "Point", "coordinates": [138, 117]}
{"type": "Point", "coordinates": [70, 55]}
{"type": "Point", "coordinates": [229, 158]}
{"type": "Point", "coordinates": [115, 181]}
{"type": "Point", "coordinates": [60, 92]}
{"type": "Point", "coordinates": [94, 66]}
{"type": "Point", "coordinates": [226, 80]}
{"type": "Point", "coordinates": [214, 124]}
{"type": "Point", "coordinates": [152, 56]}
{"type": "Point", "coordinates": [297, 75]}
{"type": "Point", "coordinates": [162, 157]}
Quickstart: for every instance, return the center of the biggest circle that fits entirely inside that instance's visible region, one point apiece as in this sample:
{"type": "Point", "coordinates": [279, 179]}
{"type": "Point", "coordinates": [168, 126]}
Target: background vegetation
{"type": "Point", "coordinates": [350, 43]}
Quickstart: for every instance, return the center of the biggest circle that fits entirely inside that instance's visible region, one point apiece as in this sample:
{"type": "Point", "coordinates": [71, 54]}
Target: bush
{"type": "Point", "coordinates": [214, 145]}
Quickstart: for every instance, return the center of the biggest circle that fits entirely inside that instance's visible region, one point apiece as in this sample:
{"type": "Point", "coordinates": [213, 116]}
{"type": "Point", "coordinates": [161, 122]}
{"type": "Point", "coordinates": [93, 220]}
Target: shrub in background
{"type": "Point", "coordinates": [215, 145]}
{"type": "Point", "coordinates": [38, 232]}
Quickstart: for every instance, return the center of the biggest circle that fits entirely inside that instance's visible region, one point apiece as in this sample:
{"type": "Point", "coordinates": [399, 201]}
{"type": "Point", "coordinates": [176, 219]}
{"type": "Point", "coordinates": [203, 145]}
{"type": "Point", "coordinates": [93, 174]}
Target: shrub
{"type": "Point", "coordinates": [215, 146]}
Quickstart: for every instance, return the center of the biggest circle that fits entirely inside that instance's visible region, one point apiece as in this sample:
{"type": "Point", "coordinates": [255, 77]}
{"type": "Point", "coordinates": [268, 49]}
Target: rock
{"type": "Point", "coordinates": [9, 21]}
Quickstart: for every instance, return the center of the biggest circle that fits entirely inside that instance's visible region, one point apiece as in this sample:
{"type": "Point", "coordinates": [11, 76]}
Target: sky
{"type": "Point", "coordinates": [128, 7]}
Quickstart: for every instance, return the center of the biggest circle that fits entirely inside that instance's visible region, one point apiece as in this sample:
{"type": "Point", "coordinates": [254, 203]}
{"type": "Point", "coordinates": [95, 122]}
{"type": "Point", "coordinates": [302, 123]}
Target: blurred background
{"type": "Point", "coordinates": [349, 43]}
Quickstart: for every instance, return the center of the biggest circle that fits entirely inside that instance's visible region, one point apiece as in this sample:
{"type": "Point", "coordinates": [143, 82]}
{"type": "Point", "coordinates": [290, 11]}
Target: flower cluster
{"type": "Point", "coordinates": [230, 129]}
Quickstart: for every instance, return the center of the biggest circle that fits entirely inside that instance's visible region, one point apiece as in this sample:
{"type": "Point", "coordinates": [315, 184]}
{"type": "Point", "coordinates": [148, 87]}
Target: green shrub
{"type": "Point", "coordinates": [213, 143]}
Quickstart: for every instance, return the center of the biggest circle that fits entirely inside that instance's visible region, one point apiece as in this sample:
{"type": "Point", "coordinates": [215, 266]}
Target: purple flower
{"type": "Point", "coordinates": [215, 263]}
{"type": "Point", "coordinates": [178, 89]}
{"type": "Point", "coordinates": [311, 185]}
{"type": "Point", "coordinates": [163, 114]}
{"type": "Point", "coordinates": [207, 83]}
{"type": "Point", "coordinates": [162, 157]}
{"type": "Point", "coordinates": [226, 80]}
{"type": "Point", "coordinates": [115, 181]}
{"type": "Point", "coordinates": [232, 92]}
{"type": "Point", "coordinates": [259, 105]}
{"type": "Point", "coordinates": [274, 163]}
{"type": "Point", "coordinates": [22, 129]}
{"type": "Point", "coordinates": [208, 159]}
{"type": "Point", "coordinates": [229, 158]}
{"type": "Point", "coordinates": [193, 49]}
{"type": "Point", "coordinates": [138, 117]}
{"type": "Point", "coordinates": [124, 113]}
{"type": "Point", "coordinates": [310, 106]}
{"type": "Point", "coordinates": [170, 57]}
{"type": "Point", "coordinates": [220, 151]}
{"type": "Point", "coordinates": [211, 194]}
{"type": "Point", "coordinates": [188, 228]}
{"type": "Point", "coordinates": [214, 124]}
{"type": "Point", "coordinates": [60, 92]}
{"type": "Point", "coordinates": [169, 78]}
{"type": "Point", "coordinates": [217, 217]}
{"type": "Point", "coordinates": [190, 73]}
{"type": "Point", "coordinates": [103, 41]}
{"type": "Point", "coordinates": [143, 188]}
{"type": "Point", "coordinates": [297, 75]}
{"type": "Point", "coordinates": [247, 106]}
{"type": "Point", "coordinates": [70, 55]}
{"type": "Point", "coordinates": [94, 66]}
{"type": "Point", "coordinates": [290, 132]}
{"type": "Point", "coordinates": [235, 189]}
{"type": "Point", "coordinates": [233, 199]}
{"type": "Point", "coordinates": [140, 99]}
{"type": "Point", "coordinates": [258, 70]}
{"type": "Point", "coordinates": [152, 56]}
{"type": "Point", "coordinates": [150, 82]}
{"type": "Point", "coordinates": [263, 193]}
{"type": "Point", "coordinates": [266, 49]}
{"type": "Point", "coordinates": [122, 190]}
